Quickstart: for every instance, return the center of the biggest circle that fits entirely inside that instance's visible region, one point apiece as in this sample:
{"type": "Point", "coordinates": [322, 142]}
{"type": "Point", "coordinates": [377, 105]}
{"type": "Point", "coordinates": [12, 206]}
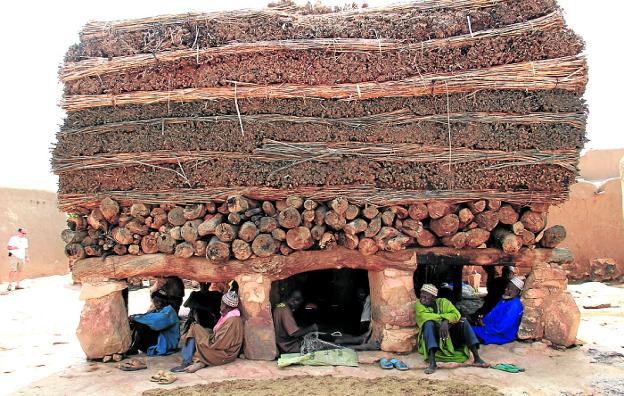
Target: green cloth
{"type": "Point", "coordinates": [332, 357]}
{"type": "Point", "coordinates": [446, 310]}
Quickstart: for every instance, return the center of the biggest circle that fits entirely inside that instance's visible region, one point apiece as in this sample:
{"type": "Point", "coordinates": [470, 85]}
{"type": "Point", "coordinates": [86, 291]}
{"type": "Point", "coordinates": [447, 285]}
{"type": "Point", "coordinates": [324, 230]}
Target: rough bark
{"type": "Point", "coordinates": [299, 238]}
{"type": "Point", "coordinates": [264, 245]}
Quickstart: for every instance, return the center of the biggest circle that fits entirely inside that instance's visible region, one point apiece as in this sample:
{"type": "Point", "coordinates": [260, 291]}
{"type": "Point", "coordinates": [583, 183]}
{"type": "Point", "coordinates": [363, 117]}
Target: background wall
{"type": "Point", "coordinates": [36, 211]}
{"type": "Point", "coordinates": [593, 215]}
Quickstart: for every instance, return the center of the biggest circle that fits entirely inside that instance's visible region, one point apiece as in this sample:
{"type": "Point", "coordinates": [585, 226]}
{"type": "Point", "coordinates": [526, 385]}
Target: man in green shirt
{"type": "Point", "coordinates": [444, 334]}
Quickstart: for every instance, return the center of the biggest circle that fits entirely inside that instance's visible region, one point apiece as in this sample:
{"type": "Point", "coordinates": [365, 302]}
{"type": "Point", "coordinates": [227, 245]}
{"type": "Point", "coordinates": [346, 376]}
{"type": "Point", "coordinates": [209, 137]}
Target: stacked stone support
{"type": "Point", "coordinates": [549, 310]}
{"type": "Point", "coordinates": [392, 302]}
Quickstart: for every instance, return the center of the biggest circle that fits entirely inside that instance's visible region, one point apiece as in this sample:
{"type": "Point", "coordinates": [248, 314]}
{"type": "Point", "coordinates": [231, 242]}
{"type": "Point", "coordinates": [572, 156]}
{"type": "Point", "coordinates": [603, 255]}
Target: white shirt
{"type": "Point", "coordinates": [366, 311]}
{"type": "Point", "coordinates": [21, 243]}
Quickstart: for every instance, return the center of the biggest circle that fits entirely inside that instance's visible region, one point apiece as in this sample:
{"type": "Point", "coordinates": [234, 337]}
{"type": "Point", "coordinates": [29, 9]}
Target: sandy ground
{"type": "Point", "coordinates": [39, 354]}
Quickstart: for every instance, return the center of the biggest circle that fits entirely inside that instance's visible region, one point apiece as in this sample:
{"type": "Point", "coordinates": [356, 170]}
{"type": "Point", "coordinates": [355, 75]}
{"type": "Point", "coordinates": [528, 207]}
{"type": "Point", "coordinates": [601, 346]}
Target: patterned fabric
{"type": "Point", "coordinates": [429, 288]}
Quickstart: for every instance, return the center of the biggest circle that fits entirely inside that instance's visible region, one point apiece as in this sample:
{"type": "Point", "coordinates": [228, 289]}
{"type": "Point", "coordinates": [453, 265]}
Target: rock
{"type": "Point", "coordinates": [576, 270]}
{"type": "Point", "coordinates": [259, 333]}
{"type": "Point", "coordinates": [562, 320]}
{"type": "Point", "coordinates": [603, 269]}
{"type": "Point", "coordinates": [398, 340]}
{"type": "Point", "coordinates": [547, 278]}
{"type": "Point", "coordinates": [103, 329]}
{"type": "Point", "coordinates": [531, 326]}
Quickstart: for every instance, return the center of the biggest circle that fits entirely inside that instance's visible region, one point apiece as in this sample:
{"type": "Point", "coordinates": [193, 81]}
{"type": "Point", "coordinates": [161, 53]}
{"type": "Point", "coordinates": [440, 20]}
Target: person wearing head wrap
{"type": "Point", "coordinates": [500, 325]}
{"type": "Point", "coordinates": [204, 347]}
{"type": "Point", "coordinates": [444, 335]}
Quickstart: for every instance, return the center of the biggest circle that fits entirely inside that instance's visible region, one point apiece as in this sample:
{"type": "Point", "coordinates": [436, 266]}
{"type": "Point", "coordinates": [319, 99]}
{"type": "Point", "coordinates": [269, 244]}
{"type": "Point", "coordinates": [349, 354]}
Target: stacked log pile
{"type": "Point", "coordinates": [253, 133]}
{"type": "Point", "coordinates": [241, 228]}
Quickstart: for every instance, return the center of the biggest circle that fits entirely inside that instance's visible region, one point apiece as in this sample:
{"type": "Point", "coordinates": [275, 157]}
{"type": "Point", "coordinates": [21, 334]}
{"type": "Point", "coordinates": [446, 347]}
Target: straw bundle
{"type": "Point", "coordinates": [243, 116]}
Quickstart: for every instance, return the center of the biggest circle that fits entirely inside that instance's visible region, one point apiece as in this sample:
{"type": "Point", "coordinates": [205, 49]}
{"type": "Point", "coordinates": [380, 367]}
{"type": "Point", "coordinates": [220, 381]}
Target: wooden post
{"type": "Point", "coordinates": [254, 291]}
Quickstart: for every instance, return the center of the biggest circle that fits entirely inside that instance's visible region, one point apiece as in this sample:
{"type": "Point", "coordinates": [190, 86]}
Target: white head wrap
{"type": "Point", "coordinates": [429, 288]}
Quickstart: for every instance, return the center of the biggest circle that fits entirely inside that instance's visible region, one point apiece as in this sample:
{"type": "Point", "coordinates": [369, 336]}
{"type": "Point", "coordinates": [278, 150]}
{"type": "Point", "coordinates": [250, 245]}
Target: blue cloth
{"type": "Point", "coordinates": [167, 324]}
{"type": "Point", "coordinates": [500, 325]}
{"type": "Point", "coordinates": [188, 351]}
{"type": "Point", "coordinates": [461, 333]}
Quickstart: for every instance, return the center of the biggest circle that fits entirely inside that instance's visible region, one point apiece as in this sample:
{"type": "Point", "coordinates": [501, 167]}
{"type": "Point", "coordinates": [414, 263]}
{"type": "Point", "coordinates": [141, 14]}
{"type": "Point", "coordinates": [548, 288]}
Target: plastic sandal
{"type": "Point", "coordinates": [398, 364]}
{"type": "Point", "coordinates": [167, 379]}
{"type": "Point", "coordinates": [386, 364]}
{"type": "Point", "coordinates": [133, 365]}
{"type": "Point", "coordinates": [508, 367]}
{"type": "Point", "coordinates": [158, 376]}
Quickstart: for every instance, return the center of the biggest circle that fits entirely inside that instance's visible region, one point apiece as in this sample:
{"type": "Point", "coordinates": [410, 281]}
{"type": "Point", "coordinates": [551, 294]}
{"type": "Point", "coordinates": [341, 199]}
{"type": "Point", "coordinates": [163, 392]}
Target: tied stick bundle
{"type": "Point", "coordinates": [367, 116]}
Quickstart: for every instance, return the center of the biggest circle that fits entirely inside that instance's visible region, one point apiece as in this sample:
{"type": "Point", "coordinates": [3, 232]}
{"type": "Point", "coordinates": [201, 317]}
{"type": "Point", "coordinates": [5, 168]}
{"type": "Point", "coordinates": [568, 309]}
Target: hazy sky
{"type": "Point", "coordinates": [35, 36]}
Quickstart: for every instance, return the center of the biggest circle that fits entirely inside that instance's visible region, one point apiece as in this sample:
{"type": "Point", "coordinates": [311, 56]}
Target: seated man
{"type": "Point", "coordinates": [444, 335]}
{"type": "Point", "coordinates": [172, 288]}
{"type": "Point", "coordinates": [204, 307]}
{"type": "Point", "coordinates": [156, 332]}
{"type": "Point", "coordinates": [288, 334]}
{"type": "Point", "coordinates": [500, 325]}
{"type": "Point", "coordinates": [495, 288]}
{"type": "Point", "coordinates": [365, 318]}
{"type": "Point", "coordinates": [215, 347]}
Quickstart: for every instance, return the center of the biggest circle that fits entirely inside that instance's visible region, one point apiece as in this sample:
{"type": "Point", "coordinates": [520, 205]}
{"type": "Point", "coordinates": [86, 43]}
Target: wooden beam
{"type": "Point", "coordinates": [524, 258]}
{"type": "Point", "coordinates": [200, 269]}
{"type": "Point", "coordinates": [281, 267]}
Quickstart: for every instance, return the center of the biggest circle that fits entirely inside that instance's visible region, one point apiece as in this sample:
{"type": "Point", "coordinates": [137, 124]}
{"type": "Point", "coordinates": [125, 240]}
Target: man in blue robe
{"type": "Point", "coordinates": [500, 325]}
{"type": "Point", "coordinates": [157, 332]}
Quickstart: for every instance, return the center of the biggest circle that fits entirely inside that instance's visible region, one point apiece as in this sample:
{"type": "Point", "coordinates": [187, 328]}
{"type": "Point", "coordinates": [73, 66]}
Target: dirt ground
{"type": "Point", "coordinates": [39, 355]}
{"type": "Point", "coordinates": [347, 386]}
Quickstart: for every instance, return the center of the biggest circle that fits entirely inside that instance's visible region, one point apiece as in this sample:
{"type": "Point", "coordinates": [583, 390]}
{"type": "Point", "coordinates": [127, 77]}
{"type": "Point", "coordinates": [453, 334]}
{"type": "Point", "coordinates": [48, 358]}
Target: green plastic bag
{"type": "Point", "coordinates": [331, 357]}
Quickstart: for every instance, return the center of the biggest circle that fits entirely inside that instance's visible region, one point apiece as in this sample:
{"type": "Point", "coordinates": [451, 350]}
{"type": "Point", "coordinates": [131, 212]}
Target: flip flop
{"type": "Point", "coordinates": [508, 368]}
{"type": "Point", "coordinates": [398, 364]}
{"type": "Point", "coordinates": [386, 364]}
{"type": "Point", "coordinates": [132, 365]}
{"type": "Point", "coordinates": [167, 379]}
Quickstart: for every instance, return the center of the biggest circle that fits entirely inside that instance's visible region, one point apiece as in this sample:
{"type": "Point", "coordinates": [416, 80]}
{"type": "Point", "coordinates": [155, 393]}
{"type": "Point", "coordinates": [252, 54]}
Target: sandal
{"type": "Point", "coordinates": [508, 367]}
{"type": "Point", "coordinates": [132, 365]}
{"type": "Point", "coordinates": [398, 364]}
{"type": "Point", "coordinates": [158, 376]}
{"type": "Point", "coordinates": [167, 379]}
{"type": "Point", "coordinates": [386, 364]}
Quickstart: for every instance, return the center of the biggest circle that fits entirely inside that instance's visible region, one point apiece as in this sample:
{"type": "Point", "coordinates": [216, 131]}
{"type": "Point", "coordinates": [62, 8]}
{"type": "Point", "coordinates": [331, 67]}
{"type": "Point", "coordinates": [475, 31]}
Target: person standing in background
{"type": "Point", "coordinates": [18, 257]}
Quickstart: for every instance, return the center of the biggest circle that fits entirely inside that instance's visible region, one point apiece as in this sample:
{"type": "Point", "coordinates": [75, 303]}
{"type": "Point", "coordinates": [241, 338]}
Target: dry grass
{"type": "Point", "coordinates": [568, 73]}
{"type": "Point", "coordinates": [360, 195]}
{"type": "Point", "coordinates": [394, 118]}
{"type": "Point", "coordinates": [99, 66]}
{"type": "Point", "coordinates": [98, 29]}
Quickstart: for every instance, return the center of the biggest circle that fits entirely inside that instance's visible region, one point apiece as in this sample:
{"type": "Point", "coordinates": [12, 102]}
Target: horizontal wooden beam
{"type": "Point", "coordinates": [281, 267]}
{"type": "Point", "coordinates": [201, 269]}
{"type": "Point", "coordinates": [524, 258]}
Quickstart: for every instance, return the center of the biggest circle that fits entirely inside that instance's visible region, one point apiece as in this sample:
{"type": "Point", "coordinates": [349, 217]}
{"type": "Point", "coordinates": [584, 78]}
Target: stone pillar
{"type": "Point", "coordinates": [392, 309]}
{"type": "Point", "coordinates": [103, 329]}
{"type": "Point", "coordinates": [550, 312]}
{"type": "Point", "coordinates": [255, 307]}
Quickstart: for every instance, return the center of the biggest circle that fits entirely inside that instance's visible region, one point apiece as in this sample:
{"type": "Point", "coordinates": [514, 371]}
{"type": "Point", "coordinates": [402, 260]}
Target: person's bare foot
{"type": "Point", "coordinates": [431, 368]}
{"type": "Point", "coordinates": [194, 367]}
{"type": "Point", "coordinates": [480, 363]}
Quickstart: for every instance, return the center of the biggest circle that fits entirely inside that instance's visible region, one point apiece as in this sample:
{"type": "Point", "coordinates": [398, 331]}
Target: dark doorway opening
{"type": "Point", "coordinates": [330, 298]}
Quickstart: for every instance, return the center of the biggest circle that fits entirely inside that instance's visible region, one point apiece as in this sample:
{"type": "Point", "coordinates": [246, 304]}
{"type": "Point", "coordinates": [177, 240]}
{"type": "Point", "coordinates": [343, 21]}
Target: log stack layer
{"type": "Point", "coordinates": [240, 228]}
{"type": "Point", "coordinates": [438, 102]}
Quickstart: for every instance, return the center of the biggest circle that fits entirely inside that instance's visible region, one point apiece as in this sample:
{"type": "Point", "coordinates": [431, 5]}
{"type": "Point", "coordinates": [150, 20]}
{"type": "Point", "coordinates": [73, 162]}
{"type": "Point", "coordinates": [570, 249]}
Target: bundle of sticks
{"type": "Point", "coordinates": [243, 228]}
{"type": "Point", "coordinates": [253, 133]}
